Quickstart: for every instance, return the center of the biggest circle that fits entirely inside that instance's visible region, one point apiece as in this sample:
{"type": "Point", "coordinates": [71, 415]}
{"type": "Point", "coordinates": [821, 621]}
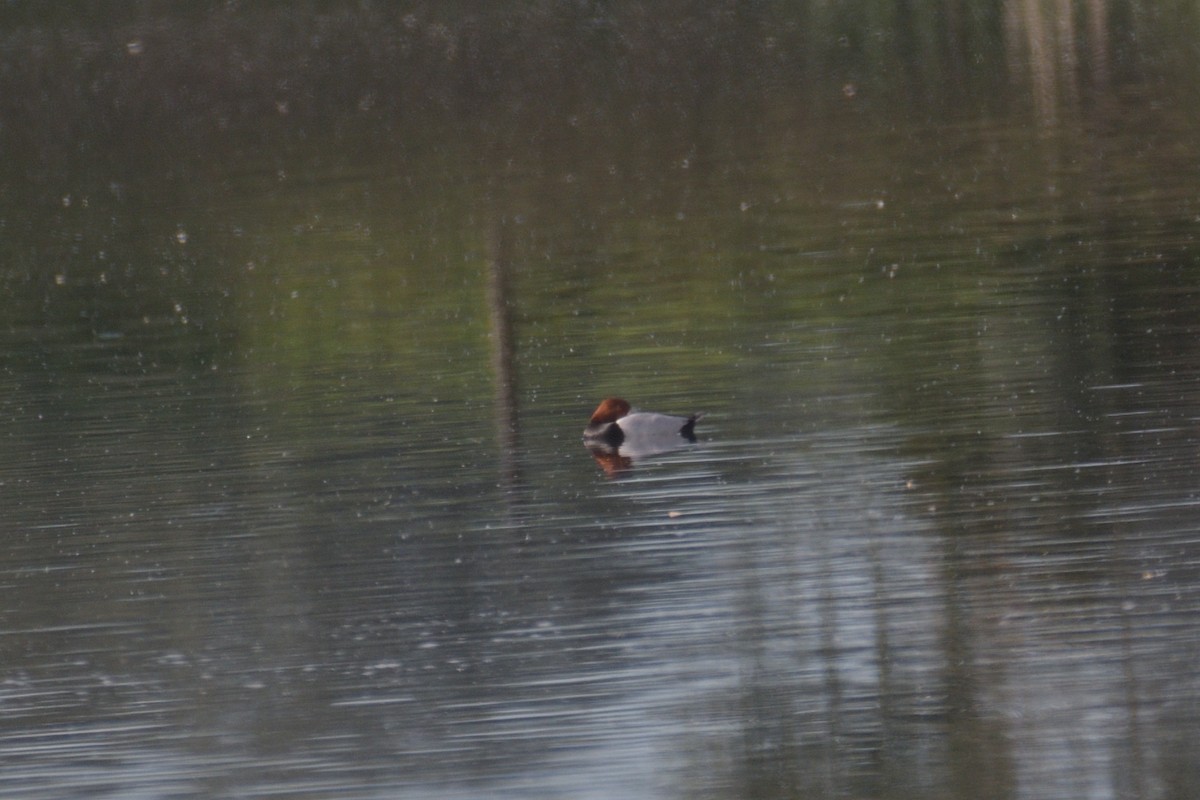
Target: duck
{"type": "Point", "coordinates": [616, 426]}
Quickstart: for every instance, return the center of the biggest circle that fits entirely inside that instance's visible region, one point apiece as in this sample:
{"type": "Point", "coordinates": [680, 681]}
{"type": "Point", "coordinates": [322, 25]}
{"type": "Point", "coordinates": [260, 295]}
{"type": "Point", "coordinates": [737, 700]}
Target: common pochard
{"type": "Point", "coordinates": [616, 426]}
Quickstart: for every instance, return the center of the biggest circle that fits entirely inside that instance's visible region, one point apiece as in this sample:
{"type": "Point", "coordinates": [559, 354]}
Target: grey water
{"type": "Point", "coordinates": [302, 316]}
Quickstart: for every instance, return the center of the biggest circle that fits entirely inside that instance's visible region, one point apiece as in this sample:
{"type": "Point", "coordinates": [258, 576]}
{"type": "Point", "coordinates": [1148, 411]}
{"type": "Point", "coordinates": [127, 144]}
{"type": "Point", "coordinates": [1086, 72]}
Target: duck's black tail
{"type": "Point", "coordinates": [688, 431]}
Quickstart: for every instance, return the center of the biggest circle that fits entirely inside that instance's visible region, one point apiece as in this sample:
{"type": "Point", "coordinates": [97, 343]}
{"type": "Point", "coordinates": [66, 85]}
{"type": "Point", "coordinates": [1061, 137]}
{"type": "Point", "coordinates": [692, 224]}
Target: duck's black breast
{"type": "Point", "coordinates": [608, 433]}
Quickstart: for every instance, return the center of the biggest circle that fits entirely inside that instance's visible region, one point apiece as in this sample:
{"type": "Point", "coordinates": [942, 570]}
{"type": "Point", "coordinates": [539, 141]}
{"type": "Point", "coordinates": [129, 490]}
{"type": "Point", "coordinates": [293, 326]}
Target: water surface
{"type": "Point", "coordinates": [294, 381]}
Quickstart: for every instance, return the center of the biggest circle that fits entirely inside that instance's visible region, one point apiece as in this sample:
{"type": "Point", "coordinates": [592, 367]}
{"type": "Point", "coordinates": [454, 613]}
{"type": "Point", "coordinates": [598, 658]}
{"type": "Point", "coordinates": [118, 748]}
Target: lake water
{"type": "Point", "coordinates": [302, 317]}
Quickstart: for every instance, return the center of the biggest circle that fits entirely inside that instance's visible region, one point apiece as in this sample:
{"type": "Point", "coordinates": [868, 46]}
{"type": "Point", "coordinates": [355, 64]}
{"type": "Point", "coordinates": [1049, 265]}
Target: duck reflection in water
{"type": "Point", "coordinates": [617, 435]}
